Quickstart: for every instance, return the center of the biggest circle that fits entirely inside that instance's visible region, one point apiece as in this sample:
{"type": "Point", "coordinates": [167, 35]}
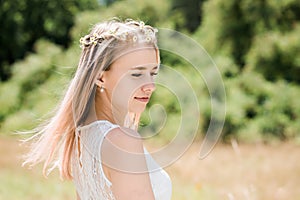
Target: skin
{"type": "Point", "coordinates": [128, 86]}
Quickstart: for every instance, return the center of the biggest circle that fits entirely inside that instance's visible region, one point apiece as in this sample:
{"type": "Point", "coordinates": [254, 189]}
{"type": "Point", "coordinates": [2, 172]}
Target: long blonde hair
{"type": "Point", "coordinates": [54, 141]}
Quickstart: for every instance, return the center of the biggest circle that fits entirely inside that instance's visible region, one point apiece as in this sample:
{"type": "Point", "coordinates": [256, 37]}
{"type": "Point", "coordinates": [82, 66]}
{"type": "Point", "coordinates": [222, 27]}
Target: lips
{"type": "Point", "coordinates": [142, 99]}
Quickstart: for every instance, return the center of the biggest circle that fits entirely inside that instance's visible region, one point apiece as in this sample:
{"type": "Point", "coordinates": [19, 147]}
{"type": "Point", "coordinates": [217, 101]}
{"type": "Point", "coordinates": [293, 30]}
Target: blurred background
{"type": "Point", "coordinates": [255, 45]}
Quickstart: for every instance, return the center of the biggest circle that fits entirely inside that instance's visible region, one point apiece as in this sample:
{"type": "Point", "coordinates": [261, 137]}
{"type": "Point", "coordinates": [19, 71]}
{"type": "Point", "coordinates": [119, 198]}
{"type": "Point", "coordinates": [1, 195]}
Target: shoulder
{"type": "Point", "coordinates": [123, 150]}
{"type": "Point", "coordinates": [125, 138]}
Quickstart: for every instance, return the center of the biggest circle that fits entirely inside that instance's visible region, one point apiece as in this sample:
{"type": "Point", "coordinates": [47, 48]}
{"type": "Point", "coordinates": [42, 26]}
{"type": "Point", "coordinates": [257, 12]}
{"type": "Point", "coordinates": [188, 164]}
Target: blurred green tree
{"type": "Point", "coordinates": [187, 14]}
{"type": "Point", "coordinates": [278, 57]}
{"type": "Point", "coordinates": [246, 19]}
{"type": "Point", "coordinates": [25, 21]}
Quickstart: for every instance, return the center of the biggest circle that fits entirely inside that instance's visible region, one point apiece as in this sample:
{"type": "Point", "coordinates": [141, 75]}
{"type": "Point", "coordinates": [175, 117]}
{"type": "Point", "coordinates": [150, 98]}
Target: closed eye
{"type": "Point", "coordinates": [154, 74]}
{"type": "Point", "coordinates": [136, 75]}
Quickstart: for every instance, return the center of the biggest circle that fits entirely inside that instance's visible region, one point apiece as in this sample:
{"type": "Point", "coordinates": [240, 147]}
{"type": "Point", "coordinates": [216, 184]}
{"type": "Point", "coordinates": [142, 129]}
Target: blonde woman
{"type": "Point", "coordinates": [93, 138]}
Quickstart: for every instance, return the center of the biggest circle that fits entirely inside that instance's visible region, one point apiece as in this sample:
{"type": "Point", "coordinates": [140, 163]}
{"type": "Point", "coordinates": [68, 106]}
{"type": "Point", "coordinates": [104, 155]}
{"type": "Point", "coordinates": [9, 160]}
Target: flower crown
{"type": "Point", "coordinates": [131, 35]}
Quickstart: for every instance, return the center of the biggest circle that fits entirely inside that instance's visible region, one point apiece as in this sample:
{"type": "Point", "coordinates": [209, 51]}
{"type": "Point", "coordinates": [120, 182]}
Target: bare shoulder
{"type": "Point", "coordinates": [123, 150]}
{"type": "Point", "coordinates": [125, 138]}
{"type": "Point", "coordinates": [124, 160]}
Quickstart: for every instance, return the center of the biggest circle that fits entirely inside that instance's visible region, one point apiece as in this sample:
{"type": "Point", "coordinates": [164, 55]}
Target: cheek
{"type": "Point", "coordinates": [123, 92]}
{"type": "Point", "coordinates": [127, 87]}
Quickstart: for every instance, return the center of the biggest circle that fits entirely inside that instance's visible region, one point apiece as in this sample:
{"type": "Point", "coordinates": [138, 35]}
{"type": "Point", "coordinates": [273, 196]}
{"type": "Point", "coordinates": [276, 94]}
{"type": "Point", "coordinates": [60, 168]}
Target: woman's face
{"type": "Point", "coordinates": [130, 81]}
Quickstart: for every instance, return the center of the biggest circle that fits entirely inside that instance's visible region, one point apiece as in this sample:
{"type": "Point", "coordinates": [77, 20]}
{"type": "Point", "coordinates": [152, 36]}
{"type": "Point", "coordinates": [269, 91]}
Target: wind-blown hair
{"type": "Point", "coordinates": [53, 142]}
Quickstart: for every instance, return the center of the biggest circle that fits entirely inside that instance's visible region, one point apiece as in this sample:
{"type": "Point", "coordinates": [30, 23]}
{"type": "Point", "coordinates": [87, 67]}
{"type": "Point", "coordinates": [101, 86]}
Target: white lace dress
{"type": "Point", "coordinates": [88, 175]}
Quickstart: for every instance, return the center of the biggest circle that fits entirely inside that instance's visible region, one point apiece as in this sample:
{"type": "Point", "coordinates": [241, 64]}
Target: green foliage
{"type": "Point", "coordinates": [151, 12]}
{"type": "Point", "coordinates": [235, 23]}
{"type": "Point", "coordinates": [277, 55]}
{"type": "Point", "coordinates": [28, 76]}
{"type": "Point", "coordinates": [23, 22]}
{"type": "Point", "coordinates": [257, 106]}
{"type": "Point", "coordinates": [187, 14]}
{"type": "Point", "coordinates": [9, 100]}
{"type": "Point", "coordinates": [254, 44]}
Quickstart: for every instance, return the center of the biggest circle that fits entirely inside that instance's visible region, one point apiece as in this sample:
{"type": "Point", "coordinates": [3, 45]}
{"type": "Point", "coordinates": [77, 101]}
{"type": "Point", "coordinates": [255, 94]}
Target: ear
{"type": "Point", "coordinates": [99, 82]}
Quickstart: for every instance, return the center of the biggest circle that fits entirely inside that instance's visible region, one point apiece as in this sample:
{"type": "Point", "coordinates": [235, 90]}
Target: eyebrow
{"type": "Point", "coordinates": [144, 68]}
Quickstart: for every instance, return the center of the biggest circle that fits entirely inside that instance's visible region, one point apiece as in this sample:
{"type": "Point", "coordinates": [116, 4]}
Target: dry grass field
{"type": "Point", "coordinates": [245, 172]}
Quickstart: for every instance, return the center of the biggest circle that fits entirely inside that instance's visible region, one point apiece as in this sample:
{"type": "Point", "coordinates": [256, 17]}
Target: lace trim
{"type": "Point", "coordinates": [89, 177]}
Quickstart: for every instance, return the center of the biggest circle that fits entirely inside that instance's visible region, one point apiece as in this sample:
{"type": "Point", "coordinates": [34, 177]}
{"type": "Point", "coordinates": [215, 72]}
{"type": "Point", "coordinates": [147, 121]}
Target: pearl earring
{"type": "Point", "coordinates": [101, 88]}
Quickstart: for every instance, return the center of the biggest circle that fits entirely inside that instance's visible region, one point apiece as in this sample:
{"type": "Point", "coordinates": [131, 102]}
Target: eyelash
{"type": "Point", "coordinates": [138, 75]}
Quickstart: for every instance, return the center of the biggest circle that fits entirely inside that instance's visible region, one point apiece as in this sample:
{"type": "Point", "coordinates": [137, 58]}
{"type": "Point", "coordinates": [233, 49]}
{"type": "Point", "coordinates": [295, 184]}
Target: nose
{"type": "Point", "coordinates": [148, 88]}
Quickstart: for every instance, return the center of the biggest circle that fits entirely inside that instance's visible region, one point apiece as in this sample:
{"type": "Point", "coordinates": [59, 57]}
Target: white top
{"type": "Point", "coordinates": [88, 175]}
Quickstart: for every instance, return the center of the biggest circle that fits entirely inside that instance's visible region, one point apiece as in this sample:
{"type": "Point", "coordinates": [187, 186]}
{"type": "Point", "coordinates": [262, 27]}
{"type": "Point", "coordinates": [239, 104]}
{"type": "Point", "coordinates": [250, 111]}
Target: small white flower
{"type": "Point", "coordinates": [148, 39]}
{"type": "Point", "coordinates": [134, 38]}
{"type": "Point", "coordinates": [149, 32]}
{"type": "Point", "coordinates": [142, 24]}
{"type": "Point", "coordinates": [81, 40]}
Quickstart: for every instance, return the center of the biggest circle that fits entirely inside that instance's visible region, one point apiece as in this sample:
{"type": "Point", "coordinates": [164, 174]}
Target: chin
{"type": "Point", "coordinates": [137, 109]}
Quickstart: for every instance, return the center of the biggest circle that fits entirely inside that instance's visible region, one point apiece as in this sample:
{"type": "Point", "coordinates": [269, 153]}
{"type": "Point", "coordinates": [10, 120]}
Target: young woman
{"type": "Point", "coordinates": [93, 136]}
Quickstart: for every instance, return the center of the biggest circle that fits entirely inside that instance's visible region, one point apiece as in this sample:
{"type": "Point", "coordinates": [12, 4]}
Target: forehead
{"type": "Point", "coordinates": [136, 57]}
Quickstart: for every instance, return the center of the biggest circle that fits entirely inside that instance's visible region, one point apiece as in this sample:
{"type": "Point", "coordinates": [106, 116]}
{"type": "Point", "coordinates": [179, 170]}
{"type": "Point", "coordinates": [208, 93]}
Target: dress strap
{"type": "Point", "coordinates": [113, 126]}
{"type": "Point", "coordinates": [91, 137]}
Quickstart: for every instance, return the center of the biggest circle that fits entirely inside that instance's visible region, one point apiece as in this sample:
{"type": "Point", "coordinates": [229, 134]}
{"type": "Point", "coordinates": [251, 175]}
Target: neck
{"type": "Point", "coordinates": [105, 111]}
{"type": "Point", "coordinates": [120, 116]}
